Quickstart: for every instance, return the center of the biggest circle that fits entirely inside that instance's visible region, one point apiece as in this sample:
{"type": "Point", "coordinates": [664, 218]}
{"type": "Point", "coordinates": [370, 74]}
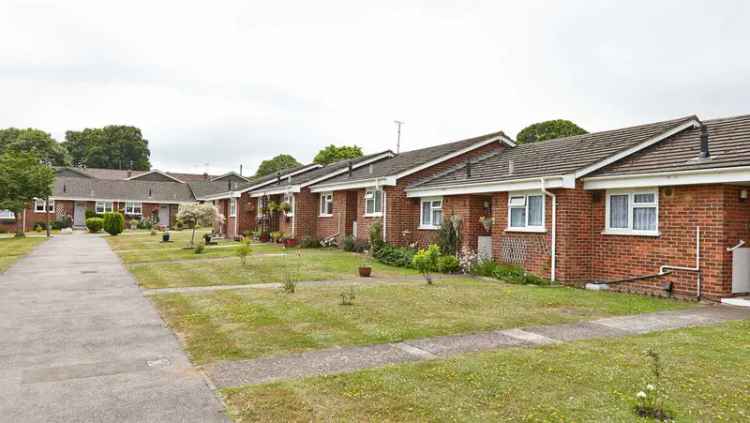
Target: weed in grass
{"type": "Point", "coordinates": [650, 402]}
{"type": "Point", "coordinates": [347, 298]}
{"type": "Point", "coordinates": [290, 277]}
{"type": "Point", "coordinates": [200, 248]}
{"type": "Point", "coordinates": [244, 250]}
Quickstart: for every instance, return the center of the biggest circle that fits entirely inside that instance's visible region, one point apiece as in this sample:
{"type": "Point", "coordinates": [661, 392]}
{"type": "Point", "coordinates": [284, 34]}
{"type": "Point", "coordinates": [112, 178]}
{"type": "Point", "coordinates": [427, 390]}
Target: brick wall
{"type": "Point", "coordinates": [62, 208]}
{"type": "Point", "coordinates": [306, 214]}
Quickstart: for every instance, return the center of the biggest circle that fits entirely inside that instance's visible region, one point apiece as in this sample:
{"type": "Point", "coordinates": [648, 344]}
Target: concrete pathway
{"type": "Point", "coordinates": [343, 360]}
{"type": "Point", "coordinates": [80, 343]}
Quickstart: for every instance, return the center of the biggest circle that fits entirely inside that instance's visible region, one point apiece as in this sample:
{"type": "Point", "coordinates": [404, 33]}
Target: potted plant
{"type": "Point", "coordinates": [276, 236]}
{"type": "Point", "coordinates": [285, 207]}
{"type": "Point", "coordinates": [486, 222]}
{"type": "Point", "coordinates": [165, 236]}
{"type": "Point", "coordinates": [365, 270]}
{"type": "Point", "coordinates": [290, 242]}
{"type": "Point", "coordinates": [264, 236]}
{"type": "Point", "coordinates": [273, 206]}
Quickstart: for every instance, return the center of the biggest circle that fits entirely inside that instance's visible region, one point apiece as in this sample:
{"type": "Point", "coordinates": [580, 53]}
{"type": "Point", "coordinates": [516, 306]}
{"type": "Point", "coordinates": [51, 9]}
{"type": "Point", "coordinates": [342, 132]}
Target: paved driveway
{"type": "Point", "coordinates": [79, 342]}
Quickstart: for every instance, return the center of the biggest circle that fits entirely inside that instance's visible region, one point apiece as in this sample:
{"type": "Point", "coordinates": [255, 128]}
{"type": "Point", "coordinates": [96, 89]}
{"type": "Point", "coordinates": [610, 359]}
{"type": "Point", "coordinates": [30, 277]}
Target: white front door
{"type": "Point", "coordinates": [79, 214]}
{"type": "Point", "coordinates": [164, 214]}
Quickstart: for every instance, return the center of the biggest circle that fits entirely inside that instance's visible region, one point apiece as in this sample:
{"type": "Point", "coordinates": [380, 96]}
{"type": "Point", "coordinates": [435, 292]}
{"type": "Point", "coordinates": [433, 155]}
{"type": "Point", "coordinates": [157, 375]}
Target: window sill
{"type": "Point", "coordinates": [325, 215]}
{"type": "Point", "coordinates": [631, 233]}
{"type": "Point", "coordinates": [373, 215]}
{"type": "Point", "coordinates": [428, 228]}
{"type": "Point", "coordinates": [528, 230]}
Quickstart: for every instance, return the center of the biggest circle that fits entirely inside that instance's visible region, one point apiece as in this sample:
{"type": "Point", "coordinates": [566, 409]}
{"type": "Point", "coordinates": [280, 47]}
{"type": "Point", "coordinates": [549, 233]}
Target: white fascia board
{"type": "Point", "coordinates": [688, 177]}
{"type": "Point", "coordinates": [158, 172]}
{"type": "Point", "coordinates": [636, 148]}
{"type": "Point", "coordinates": [118, 200]}
{"type": "Point", "coordinates": [456, 153]}
{"type": "Point", "coordinates": [528, 184]}
{"type": "Point", "coordinates": [283, 176]}
{"type": "Point", "coordinates": [346, 169]}
{"type": "Point", "coordinates": [216, 178]}
{"type": "Point", "coordinates": [220, 196]}
{"type": "Point", "coordinates": [359, 184]}
{"type": "Point", "coordinates": [282, 190]}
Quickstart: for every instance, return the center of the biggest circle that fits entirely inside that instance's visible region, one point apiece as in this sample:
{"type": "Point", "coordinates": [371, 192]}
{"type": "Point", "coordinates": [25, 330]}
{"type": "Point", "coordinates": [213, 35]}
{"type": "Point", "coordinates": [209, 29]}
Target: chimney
{"type": "Point", "coordinates": [205, 176]}
{"type": "Point", "coordinates": [349, 168]}
{"type": "Point", "coordinates": [240, 169]}
{"type": "Point", "coordinates": [468, 169]}
{"type": "Point", "coordinates": [510, 167]}
{"type": "Point", "coordinates": [705, 153]}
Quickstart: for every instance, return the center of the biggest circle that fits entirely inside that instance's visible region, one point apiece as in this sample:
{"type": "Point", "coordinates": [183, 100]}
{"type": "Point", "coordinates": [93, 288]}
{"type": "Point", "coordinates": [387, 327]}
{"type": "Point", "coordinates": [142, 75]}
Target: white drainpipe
{"type": "Point", "coordinates": [385, 238]}
{"type": "Point", "coordinates": [697, 268]}
{"type": "Point", "coordinates": [553, 252]}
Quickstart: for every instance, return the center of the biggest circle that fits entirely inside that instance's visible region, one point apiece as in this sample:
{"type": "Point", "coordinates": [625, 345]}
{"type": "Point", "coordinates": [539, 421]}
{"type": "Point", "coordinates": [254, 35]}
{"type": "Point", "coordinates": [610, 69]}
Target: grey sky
{"type": "Point", "coordinates": [226, 83]}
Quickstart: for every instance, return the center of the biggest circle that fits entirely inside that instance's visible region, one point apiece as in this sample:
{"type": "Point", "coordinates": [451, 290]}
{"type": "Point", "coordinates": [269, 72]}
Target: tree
{"type": "Point", "coordinates": [280, 162]}
{"type": "Point", "coordinates": [111, 147]}
{"type": "Point", "coordinates": [426, 261]}
{"type": "Point", "coordinates": [34, 141]}
{"type": "Point", "coordinates": [332, 154]}
{"type": "Point", "coordinates": [548, 130]}
{"type": "Point", "coordinates": [23, 177]}
{"type": "Point", "coordinates": [113, 223]}
{"type": "Point", "coordinates": [193, 215]}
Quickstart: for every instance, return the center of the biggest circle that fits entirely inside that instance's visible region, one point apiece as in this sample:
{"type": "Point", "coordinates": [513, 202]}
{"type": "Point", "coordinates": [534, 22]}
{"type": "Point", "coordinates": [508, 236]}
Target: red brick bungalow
{"type": "Point", "coordinates": [351, 202]}
{"type": "Point", "coordinates": [648, 207]}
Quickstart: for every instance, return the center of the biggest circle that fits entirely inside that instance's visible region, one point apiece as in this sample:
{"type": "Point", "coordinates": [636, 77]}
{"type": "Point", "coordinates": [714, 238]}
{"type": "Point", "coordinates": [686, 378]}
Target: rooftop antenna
{"type": "Point", "coordinates": [398, 135]}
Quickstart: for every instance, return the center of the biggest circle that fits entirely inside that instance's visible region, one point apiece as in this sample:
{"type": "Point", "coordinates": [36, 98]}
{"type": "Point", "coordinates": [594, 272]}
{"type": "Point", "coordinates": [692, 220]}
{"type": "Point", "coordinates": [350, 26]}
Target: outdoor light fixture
{"type": "Point", "coordinates": [743, 194]}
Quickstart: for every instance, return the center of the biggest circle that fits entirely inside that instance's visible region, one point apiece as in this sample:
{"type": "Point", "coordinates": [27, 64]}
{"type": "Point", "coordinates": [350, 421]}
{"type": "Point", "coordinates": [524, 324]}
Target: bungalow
{"type": "Point", "coordinates": [651, 208]}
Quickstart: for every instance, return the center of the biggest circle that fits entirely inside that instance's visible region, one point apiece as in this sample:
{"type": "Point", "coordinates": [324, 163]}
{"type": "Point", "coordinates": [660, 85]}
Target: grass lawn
{"type": "Point", "coordinates": [11, 249]}
{"type": "Point", "coordinates": [240, 324]}
{"type": "Point", "coordinates": [309, 265]}
{"type": "Point", "coordinates": [705, 377]}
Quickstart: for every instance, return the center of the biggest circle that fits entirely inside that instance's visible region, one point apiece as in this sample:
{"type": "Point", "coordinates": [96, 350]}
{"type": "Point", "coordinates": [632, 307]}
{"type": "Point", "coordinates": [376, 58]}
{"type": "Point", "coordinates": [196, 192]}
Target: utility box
{"type": "Point", "coordinates": [484, 244]}
{"type": "Point", "coordinates": [740, 270]}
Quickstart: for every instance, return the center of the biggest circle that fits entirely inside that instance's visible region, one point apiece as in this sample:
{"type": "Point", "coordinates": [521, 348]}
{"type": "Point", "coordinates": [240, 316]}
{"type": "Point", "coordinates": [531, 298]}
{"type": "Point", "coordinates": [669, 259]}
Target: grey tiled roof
{"type": "Point", "coordinates": [729, 145]}
{"type": "Point", "coordinates": [411, 159]}
{"type": "Point", "coordinates": [552, 157]}
{"type": "Point", "coordinates": [322, 172]}
{"type": "Point", "coordinates": [108, 189]}
{"type": "Point", "coordinates": [202, 189]}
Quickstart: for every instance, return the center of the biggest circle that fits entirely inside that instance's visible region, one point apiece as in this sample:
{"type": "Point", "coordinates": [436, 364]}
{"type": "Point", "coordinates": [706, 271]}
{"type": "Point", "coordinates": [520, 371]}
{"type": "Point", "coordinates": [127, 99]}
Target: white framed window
{"type": "Point", "coordinates": [632, 212]}
{"type": "Point", "coordinates": [326, 204]}
{"type": "Point", "coordinates": [431, 213]}
{"type": "Point", "coordinates": [103, 207]}
{"type": "Point", "coordinates": [39, 206]}
{"type": "Point", "coordinates": [7, 214]}
{"type": "Point", "coordinates": [133, 208]}
{"type": "Point", "coordinates": [232, 207]}
{"type": "Point", "coordinates": [526, 212]}
{"type": "Point", "coordinates": [289, 199]}
{"type": "Point", "coordinates": [373, 202]}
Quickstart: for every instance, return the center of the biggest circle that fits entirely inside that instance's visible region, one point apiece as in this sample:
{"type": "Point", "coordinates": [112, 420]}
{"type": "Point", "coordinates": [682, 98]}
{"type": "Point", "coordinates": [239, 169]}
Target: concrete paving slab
{"type": "Point", "coordinates": [451, 345]}
{"type": "Point", "coordinates": [576, 331]}
{"type": "Point", "coordinates": [81, 343]}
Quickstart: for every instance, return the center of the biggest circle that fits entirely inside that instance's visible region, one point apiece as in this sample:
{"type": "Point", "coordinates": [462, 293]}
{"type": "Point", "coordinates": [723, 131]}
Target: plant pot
{"type": "Point", "coordinates": [290, 242]}
{"type": "Point", "coordinates": [365, 271]}
{"type": "Point", "coordinates": [264, 237]}
{"type": "Point", "coordinates": [165, 237]}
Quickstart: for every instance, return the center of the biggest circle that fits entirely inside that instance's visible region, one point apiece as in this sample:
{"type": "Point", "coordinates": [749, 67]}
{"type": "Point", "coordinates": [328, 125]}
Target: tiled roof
{"type": "Point", "coordinates": [411, 159]}
{"type": "Point", "coordinates": [202, 189]}
{"type": "Point", "coordinates": [108, 189]}
{"type": "Point", "coordinates": [729, 145]}
{"type": "Point", "coordinates": [552, 157]}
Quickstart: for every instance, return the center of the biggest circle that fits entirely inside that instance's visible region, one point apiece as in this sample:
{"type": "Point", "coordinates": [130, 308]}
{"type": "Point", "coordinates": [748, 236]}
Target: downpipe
{"type": "Point", "coordinates": [697, 269]}
{"type": "Point", "coordinates": [553, 250]}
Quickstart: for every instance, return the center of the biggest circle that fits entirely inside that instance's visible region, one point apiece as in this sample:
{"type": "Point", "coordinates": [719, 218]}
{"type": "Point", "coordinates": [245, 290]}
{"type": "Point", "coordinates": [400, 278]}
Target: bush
{"type": "Point", "coordinates": [376, 236]}
{"type": "Point", "coordinates": [507, 272]}
{"type": "Point", "coordinates": [309, 242]}
{"type": "Point", "coordinates": [449, 235]}
{"type": "Point", "coordinates": [395, 256]}
{"type": "Point", "coordinates": [144, 224]}
{"type": "Point", "coordinates": [63, 222]}
{"type": "Point", "coordinates": [40, 226]}
{"type": "Point", "coordinates": [199, 248]}
{"type": "Point", "coordinates": [448, 264]}
{"type": "Point", "coordinates": [94, 224]}
{"type": "Point", "coordinates": [90, 213]}
{"type": "Point", "coordinates": [354, 245]}
{"type": "Point", "coordinates": [426, 261]}
{"type": "Point", "coordinates": [113, 223]}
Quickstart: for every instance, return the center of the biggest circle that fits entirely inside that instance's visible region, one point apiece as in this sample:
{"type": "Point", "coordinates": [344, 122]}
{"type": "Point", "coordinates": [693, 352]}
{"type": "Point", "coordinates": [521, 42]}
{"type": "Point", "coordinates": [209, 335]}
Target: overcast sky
{"type": "Point", "coordinates": [214, 84]}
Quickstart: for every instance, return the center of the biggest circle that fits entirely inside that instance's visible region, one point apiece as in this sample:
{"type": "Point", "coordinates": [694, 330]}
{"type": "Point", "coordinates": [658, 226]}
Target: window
{"type": "Point", "coordinates": [289, 199]}
{"type": "Point", "coordinates": [7, 214]}
{"type": "Point", "coordinates": [133, 208]}
{"type": "Point", "coordinates": [632, 212]}
{"type": "Point", "coordinates": [526, 212]}
{"type": "Point", "coordinates": [103, 207]}
{"type": "Point", "coordinates": [373, 202]}
{"type": "Point", "coordinates": [326, 204]}
{"type": "Point", "coordinates": [431, 216]}
{"type": "Point", "coordinates": [39, 206]}
{"type": "Point", "coordinates": [232, 207]}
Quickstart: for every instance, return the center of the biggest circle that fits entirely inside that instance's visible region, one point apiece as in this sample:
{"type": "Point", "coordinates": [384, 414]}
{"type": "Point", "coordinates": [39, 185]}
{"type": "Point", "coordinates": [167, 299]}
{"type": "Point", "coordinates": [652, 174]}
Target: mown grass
{"type": "Point", "coordinates": [12, 249]}
{"type": "Point", "coordinates": [307, 265]}
{"type": "Point", "coordinates": [705, 378]}
{"type": "Point", "coordinates": [241, 324]}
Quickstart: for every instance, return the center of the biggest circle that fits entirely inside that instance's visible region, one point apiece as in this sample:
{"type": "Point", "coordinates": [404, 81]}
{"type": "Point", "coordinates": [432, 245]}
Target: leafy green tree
{"type": "Point", "coordinates": [113, 223]}
{"type": "Point", "coordinates": [34, 141]}
{"type": "Point", "coordinates": [548, 130]}
{"type": "Point", "coordinates": [23, 177]}
{"type": "Point", "coordinates": [280, 162]}
{"type": "Point", "coordinates": [111, 147]}
{"type": "Point", "coordinates": [333, 153]}
{"type": "Point", "coordinates": [426, 261]}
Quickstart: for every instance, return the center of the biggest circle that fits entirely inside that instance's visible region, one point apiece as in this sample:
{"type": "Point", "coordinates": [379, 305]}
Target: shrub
{"type": "Point", "coordinates": [426, 261]}
{"type": "Point", "coordinates": [199, 248]}
{"type": "Point", "coordinates": [309, 242]}
{"type": "Point", "coordinates": [243, 251]}
{"type": "Point", "coordinates": [354, 245]}
{"type": "Point", "coordinates": [113, 223]}
{"type": "Point", "coordinates": [39, 227]}
{"type": "Point", "coordinates": [348, 243]}
{"type": "Point", "coordinates": [395, 256]}
{"type": "Point", "coordinates": [90, 213]}
{"type": "Point", "coordinates": [376, 236]}
{"type": "Point", "coordinates": [449, 235]}
{"type": "Point", "coordinates": [63, 222]}
{"type": "Point", "coordinates": [448, 264]}
{"type": "Point", "coordinates": [144, 224]}
{"type": "Point", "coordinates": [94, 224]}
{"type": "Point", "coordinates": [276, 236]}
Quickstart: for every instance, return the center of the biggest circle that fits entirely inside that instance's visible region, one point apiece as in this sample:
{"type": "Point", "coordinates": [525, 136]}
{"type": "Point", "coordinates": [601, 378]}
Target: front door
{"type": "Point", "coordinates": [164, 214]}
{"type": "Point", "coordinates": [79, 214]}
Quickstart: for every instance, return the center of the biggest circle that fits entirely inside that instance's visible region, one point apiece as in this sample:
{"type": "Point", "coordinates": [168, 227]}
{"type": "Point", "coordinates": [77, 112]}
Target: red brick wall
{"type": "Point", "coordinates": [306, 214]}
{"type": "Point", "coordinates": [246, 213]}
{"type": "Point", "coordinates": [345, 206]}
{"type": "Point", "coordinates": [62, 208]}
